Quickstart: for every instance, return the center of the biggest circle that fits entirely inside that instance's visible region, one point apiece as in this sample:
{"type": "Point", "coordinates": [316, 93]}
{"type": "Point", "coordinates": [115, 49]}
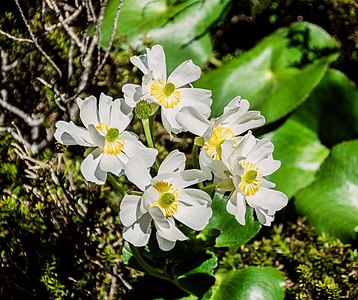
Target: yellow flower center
{"type": "Point", "coordinates": [168, 198]}
{"type": "Point", "coordinates": [213, 145]}
{"type": "Point", "coordinates": [113, 144]}
{"type": "Point", "coordinates": [165, 93]}
{"type": "Point", "coordinates": [250, 179]}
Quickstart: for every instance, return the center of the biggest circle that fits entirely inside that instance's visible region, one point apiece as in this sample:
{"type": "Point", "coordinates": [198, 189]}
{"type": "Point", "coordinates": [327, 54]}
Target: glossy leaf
{"type": "Point", "coordinates": [332, 109]}
{"type": "Point", "coordinates": [180, 26]}
{"type": "Point", "coordinates": [196, 273]}
{"type": "Point", "coordinates": [301, 154]}
{"type": "Point", "coordinates": [331, 202]}
{"type": "Point", "coordinates": [232, 234]}
{"type": "Point", "coordinates": [250, 283]}
{"type": "Point", "coordinates": [278, 74]}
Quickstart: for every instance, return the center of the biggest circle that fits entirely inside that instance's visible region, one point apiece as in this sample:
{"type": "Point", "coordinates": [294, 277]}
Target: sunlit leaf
{"type": "Point", "coordinates": [330, 203]}
{"type": "Point", "coordinates": [250, 283]}
{"type": "Point", "coordinates": [180, 26]}
{"type": "Point", "coordinates": [232, 233]}
{"type": "Point", "coordinates": [278, 74]}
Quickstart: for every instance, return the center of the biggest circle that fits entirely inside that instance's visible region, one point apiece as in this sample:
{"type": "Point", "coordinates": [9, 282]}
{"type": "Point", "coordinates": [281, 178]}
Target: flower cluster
{"type": "Point", "coordinates": [230, 155]}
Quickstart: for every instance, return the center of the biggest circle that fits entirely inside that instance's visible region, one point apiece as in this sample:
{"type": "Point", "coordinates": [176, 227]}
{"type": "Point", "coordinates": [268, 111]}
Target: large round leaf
{"type": "Point", "coordinates": [300, 152]}
{"type": "Point", "coordinates": [331, 202]}
{"type": "Point", "coordinates": [251, 283]}
{"type": "Point", "coordinates": [180, 26]}
{"type": "Point", "coordinates": [332, 109]}
{"type": "Point", "coordinates": [278, 74]}
{"type": "Point", "coordinates": [196, 273]}
{"type": "Point", "coordinates": [232, 234]}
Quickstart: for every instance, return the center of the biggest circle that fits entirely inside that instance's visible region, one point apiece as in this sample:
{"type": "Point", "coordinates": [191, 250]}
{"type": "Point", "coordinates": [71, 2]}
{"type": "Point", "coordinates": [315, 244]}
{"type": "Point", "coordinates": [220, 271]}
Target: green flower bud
{"type": "Point", "coordinates": [143, 110]}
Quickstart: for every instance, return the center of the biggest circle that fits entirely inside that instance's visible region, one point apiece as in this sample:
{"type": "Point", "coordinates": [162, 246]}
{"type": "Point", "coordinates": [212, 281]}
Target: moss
{"type": "Point", "coordinates": [316, 267]}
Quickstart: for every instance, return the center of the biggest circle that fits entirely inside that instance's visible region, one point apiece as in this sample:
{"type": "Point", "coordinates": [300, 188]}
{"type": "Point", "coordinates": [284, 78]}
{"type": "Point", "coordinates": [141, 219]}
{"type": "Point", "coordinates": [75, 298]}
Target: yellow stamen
{"type": "Point", "coordinates": [219, 135]}
{"type": "Point", "coordinates": [168, 198]}
{"type": "Point", "coordinates": [113, 144]}
{"type": "Point", "coordinates": [165, 93]}
{"type": "Point", "coordinates": [250, 179]}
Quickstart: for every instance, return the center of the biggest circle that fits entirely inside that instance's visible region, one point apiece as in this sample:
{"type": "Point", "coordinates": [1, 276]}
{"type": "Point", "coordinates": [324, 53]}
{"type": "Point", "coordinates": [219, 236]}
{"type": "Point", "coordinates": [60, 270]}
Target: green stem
{"type": "Point", "coordinates": [146, 267]}
{"type": "Point", "coordinates": [148, 136]}
{"type": "Point", "coordinates": [116, 185]}
{"type": "Point", "coordinates": [209, 187]}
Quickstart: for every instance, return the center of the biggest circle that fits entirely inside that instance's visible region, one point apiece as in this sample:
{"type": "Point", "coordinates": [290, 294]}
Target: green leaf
{"type": "Point", "coordinates": [250, 283]}
{"type": "Point", "coordinates": [196, 273]}
{"type": "Point", "coordinates": [278, 74]}
{"type": "Point", "coordinates": [180, 26]}
{"type": "Point", "coordinates": [300, 152]}
{"type": "Point", "coordinates": [232, 234]}
{"type": "Point", "coordinates": [333, 100]}
{"type": "Point", "coordinates": [330, 203]}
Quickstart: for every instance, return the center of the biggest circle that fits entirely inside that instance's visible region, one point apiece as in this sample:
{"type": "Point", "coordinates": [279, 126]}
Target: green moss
{"type": "Point", "coordinates": [316, 267]}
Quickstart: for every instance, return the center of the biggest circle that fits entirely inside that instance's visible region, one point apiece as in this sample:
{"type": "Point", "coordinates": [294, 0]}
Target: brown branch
{"type": "Point", "coordinates": [114, 28]}
{"type": "Point", "coordinates": [15, 38]}
{"type": "Point", "coordinates": [35, 40]}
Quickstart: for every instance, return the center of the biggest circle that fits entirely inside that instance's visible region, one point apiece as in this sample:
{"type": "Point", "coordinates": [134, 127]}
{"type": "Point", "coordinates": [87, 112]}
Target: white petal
{"type": "Point", "coordinates": [133, 147]}
{"type": "Point", "coordinates": [185, 73]}
{"type": "Point", "coordinates": [236, 206]}
{"type": "Point", "coordinates": [138, 234]}
{"type": "Point", "coordinates": [268, 199]}
{"type": "Point", "coordinates": [268, 165]}
{"type": "Point", "coordinates": [156, 62]}
{"type": "Point", "coordinates": [70, 134]}
{"type": "Point", "coordinates": [89, 111]}
{"type": "Point", "coordinates": [246, 144]}
{"type": "Point", "coordinates": [163, 243]}
{"type": "Point", "coordinates": [90, 168]}
{"type": "Point", "coordinates": [192, 96]}
{"type": "Point", "coordinates": [140, 62]}
{"type": "Point", "coordinates": [130, 210]}
{"type": "Point", "coordinates": [262, 149]}
{"type": "Point", "coordinates": [150, 196]}
{"type": "Point", "coordinates": [194, 209]}
{"type": "Point", "coordinates": [169, 116]}
{"type": "Point", "coordinates": [138, 173]}
{"type": "Point", "coordinates": [263, 217]}
{"type": "Point", "coordinates": [170, 232]}
{"type": "Point", "coordinates": [241, 123]}
{"type": "Point", "coordinates": [226, 154]}
{"type": "Point", "coordinates": [192, 120]}
{"type": "Point", "coordinates": [79, 102]}
{"type": "Point", "coordinates": [111, 163]}
{"type": "Point", "coordinates": [132, 94]}
{"type": "Point", "coordinates": [119, 120]}
{"type": "Point", "coordinates": [174, 162]}
{"type": "Point", "coordinates": [195, 197]}
{"type": "Point", "coordinates": [188, 178]}
{"type": "Point", "coordinates": [205, 162]}
{"type": "Point", "coordinates": [98, 139]}
{"type": "Point", "coordinates": [235, 103]}
{"type": "Point", "coordinates": [105, 103]}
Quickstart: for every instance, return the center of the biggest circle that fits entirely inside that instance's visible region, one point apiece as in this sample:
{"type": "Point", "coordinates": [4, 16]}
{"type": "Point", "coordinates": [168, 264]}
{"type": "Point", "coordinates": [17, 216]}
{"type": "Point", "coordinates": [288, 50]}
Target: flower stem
{"type": "Point", "coordinates": [209, 187]}
{"type": "Point", "coordinates": [146, 267]}
{"type": "Point", "coordinates": [116, 185]}
{"type": "Point", "coordinates": [148, 136]}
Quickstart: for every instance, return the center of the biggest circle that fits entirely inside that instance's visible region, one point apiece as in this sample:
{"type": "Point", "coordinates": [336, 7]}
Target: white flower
{"type": "Point", "coordinates": [104, 130]}
{"type": "Point", "coordinates": [248, 164]}
{"type": "Point", "coordinates": [165, 198]}
{"type": "Point", "coordinates": [235, 120]}
{"type": "Point", "coordinates": [183, 108]}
